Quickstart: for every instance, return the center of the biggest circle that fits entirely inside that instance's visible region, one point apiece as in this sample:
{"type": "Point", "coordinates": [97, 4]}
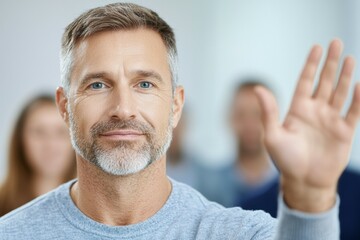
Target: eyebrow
{"type": "Point", "coordinates": [138, 73]}
{"type": "Point", "coordinates": [90, 76]}
{"type": "Point", "coordinates": [148, 74]}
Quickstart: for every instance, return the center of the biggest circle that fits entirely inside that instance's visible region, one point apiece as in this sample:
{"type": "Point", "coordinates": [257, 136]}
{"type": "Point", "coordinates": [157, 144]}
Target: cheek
{"type": "Point", "coordinates": [87, 112]}
{"type": "Point", "coordinates": [156, 112]}
{"type": "Point", "coordinates": [32, 148]}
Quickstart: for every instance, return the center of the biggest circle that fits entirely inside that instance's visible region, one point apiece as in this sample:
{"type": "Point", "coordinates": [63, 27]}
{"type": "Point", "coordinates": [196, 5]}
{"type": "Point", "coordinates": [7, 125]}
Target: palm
{"type": "Point", "coordinates": [313, 143]}
{"type": "Point", "coordinates": [316, 145]}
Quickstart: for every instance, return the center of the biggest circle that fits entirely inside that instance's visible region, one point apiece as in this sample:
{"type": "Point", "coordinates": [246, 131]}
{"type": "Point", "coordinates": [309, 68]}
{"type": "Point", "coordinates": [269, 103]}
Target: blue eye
{"type": "Point", "coordinates": [97, 85]}
{"type": "Point", "coordinates": [145, 85]}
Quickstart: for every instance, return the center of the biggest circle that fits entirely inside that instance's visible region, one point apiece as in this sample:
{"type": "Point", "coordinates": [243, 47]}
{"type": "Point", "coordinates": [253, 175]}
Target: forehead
{"type": "Point", "coordinates": [122, 49]}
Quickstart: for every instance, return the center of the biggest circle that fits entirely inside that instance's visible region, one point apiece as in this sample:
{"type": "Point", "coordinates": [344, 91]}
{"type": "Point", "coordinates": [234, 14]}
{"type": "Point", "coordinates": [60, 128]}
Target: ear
{"type": "Point", "coordinates": [178, 104]}
{"type": "Point", "coordinates": [61, 102]}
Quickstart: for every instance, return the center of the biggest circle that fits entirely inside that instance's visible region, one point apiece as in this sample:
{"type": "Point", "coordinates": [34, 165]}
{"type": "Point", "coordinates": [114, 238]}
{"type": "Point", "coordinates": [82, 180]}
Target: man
{"type": "Point", "coordinates": [121, 101]}
{"type": "Point", "coordinates": [253, 163]}
{"type": "Point", "coordinates": [251, 171]}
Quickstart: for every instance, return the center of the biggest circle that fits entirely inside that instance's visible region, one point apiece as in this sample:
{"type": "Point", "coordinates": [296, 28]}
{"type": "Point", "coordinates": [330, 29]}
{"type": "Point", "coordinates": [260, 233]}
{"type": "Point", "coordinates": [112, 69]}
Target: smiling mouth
{"type": "Point", "coordinates": [122, 135]}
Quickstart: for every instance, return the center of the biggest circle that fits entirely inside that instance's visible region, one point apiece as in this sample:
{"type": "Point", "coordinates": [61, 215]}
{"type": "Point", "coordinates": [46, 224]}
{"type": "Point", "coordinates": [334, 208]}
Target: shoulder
{"type": "Point", "coordinates": [191, 201]}
{"type": "Point", "coordinates": [31, 217]}
{"type": "Point", "coordinates": [41, 203]}
{"type": "Point", "coordinates": [26, 218]}
{"type": "Point", "coordinates": [237, 223]}
{"type": "Point", "coordinates": [213, 218]}
{"type": "Point", "coordinates": [184, 195]}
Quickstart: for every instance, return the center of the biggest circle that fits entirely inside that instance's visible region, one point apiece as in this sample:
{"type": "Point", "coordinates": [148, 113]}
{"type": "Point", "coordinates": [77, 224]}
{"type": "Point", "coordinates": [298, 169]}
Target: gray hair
{"type": "Point", "coordinates": [116, 16]}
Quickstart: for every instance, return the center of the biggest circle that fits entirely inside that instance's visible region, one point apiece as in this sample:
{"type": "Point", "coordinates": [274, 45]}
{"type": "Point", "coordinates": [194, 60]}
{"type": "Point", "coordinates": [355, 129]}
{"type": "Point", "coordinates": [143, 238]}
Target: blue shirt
{"type": "Point", "coordinates": [186, 215]}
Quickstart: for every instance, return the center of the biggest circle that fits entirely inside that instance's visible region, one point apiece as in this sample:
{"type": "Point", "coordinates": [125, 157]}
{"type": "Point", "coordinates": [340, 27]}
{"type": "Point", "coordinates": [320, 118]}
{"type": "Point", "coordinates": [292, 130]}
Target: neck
{"type": "Point", "coordinates": [120, 200]}
{"type": "Point", "coordinates": [253, 157]}
{"type": "Point", "coordinates": [254, 166]}
{"type": "Point", "coordinates": [44, 184]}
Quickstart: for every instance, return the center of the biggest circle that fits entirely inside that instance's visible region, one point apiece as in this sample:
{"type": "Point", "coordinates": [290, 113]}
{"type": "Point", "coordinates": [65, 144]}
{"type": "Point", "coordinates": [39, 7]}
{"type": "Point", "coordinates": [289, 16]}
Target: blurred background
{"type": "Point", "coordinates": [219, 42]}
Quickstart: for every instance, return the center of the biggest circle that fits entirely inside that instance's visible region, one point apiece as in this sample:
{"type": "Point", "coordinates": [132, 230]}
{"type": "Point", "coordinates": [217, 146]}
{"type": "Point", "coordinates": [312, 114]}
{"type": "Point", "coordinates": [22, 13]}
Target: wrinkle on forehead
{"type": "Point", "coordinates": [129, 50]}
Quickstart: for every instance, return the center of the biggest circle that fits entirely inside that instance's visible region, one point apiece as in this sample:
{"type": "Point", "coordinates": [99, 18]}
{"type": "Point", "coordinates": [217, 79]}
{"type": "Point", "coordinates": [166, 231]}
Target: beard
{"type": "Point", "coordinates": [120, 158]}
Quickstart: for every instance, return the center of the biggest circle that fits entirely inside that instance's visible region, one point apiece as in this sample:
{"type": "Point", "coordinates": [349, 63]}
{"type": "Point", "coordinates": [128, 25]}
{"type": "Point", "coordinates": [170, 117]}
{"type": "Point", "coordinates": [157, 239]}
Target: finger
{"type": "Point", "coordinates": [328, 74]}
{"type": "Point", "coordinates": [353, 114]}
{"type": "Point", "coordinates": [306, 81]}
{"type": "Point", "coordinates": [342, 88]}
{"type": "Point", "coordinates": [269, 109]}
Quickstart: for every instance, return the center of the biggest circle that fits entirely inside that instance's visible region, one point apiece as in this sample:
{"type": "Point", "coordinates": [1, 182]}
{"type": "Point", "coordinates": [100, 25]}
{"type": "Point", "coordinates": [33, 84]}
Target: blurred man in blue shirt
{"type": "Point", "coordinates": [251, 171]}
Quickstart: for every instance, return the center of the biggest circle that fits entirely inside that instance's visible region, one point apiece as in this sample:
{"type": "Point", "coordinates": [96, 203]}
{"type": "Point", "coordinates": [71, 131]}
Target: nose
{"type": "Point", "coordinates": [122, 104]}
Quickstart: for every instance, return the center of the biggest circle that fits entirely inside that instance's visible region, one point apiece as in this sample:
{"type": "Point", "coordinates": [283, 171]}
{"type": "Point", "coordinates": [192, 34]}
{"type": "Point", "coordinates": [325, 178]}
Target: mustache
{"type": "Point", "coordinates": [116, 124]}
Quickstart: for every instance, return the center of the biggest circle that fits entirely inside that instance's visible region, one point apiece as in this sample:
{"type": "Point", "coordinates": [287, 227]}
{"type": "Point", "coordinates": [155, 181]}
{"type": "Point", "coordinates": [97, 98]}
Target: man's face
{"type": "Point", "coordinates": [246, 121]}
{"type": "Point", "coordinates": [121, 104]}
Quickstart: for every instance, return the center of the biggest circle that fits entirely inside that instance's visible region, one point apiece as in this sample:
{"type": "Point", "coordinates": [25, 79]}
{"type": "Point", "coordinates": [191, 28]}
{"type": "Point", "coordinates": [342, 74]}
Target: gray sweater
{"type": "Point", "coordinates": [185, 215]}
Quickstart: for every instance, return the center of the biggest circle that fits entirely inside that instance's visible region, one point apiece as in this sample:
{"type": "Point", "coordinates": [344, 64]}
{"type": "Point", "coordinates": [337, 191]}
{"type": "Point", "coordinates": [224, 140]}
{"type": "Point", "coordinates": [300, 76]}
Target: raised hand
{"type": "Point", "coordinates": [311, 148]}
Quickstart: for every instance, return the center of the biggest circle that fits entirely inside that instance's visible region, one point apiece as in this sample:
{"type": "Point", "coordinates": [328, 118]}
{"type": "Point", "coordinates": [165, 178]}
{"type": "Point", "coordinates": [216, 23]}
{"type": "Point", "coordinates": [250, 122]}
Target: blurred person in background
{"type": "Point", "coordinates": [40, 154]}
{"type": "Point", "coordinates": [251, 171]}
{"type": "Point", "coordinates": [183, 164]}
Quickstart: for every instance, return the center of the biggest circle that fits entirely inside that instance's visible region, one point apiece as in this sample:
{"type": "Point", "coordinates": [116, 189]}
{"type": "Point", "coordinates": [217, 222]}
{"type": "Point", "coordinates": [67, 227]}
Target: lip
{"type": "Point", "coordinates": [122, 134]}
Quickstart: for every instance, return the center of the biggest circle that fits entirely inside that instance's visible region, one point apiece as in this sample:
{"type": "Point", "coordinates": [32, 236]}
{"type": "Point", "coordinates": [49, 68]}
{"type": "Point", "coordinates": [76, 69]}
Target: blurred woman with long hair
{"type": "Point", "coordinates": [40, 154]}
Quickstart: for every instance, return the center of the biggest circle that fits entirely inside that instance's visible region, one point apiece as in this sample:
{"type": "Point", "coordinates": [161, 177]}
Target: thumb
{"type": "Point", "coordinates": [269, 108]}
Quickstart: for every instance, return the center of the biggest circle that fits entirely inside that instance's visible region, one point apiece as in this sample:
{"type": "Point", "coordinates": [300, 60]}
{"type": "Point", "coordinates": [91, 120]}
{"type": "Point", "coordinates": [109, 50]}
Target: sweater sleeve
{"type": "Point", "coordinates": [295, 225]}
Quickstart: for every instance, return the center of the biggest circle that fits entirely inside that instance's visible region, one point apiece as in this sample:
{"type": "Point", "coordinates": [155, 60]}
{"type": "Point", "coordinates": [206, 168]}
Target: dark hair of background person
{"type": "Point", "coordinates": [247, 83]}
{"type": "Point", "coordinates": [251, 83]}
{"type": "Point", "coordinates": [16, 189]}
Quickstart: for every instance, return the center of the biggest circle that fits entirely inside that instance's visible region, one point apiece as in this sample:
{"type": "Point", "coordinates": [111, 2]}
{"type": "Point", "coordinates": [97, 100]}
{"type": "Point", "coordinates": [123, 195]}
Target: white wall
{"type": "Point", "coordinates": [217, 41]}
